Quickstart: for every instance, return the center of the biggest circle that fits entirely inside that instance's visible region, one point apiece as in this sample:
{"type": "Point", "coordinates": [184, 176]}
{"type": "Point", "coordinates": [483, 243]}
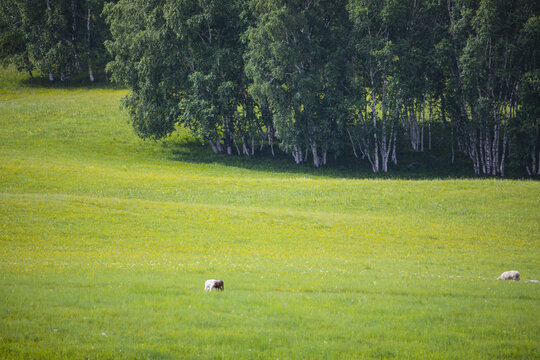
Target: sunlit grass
{"type": "Point", "coordinates": [106, 240]}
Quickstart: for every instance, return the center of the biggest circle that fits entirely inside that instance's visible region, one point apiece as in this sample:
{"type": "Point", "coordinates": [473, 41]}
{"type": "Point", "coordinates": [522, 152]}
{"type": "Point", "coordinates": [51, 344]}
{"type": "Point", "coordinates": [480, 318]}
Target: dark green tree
{"type": "Point", "coordinates": [149, 59]}
{"type": "Point", "coordinates": [376, 99]}
{"type": "Point", "coordinates": [13, 49]}
{"type": "Point", "coordinates": [526, 131]}
{"type": "Point", "coordinates": [485, 40]}
{"type": "Point", "coordinates": [183, 62]}
{"type": "Point", "coordinates": [297, 60]}
{"type": "Point", "coordinates": [55, 36]}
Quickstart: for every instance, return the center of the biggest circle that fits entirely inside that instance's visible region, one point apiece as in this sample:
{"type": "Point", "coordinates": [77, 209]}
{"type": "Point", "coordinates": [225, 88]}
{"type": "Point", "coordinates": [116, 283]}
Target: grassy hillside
{"type": "Point", "coordinates": [106, 241]}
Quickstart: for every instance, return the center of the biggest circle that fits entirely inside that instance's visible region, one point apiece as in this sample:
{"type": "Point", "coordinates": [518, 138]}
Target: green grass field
{"type": "Point", "coordinates": [106, 241]}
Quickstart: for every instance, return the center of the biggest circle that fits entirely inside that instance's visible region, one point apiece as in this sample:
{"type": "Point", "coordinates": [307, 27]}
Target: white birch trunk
{"type": "Point", "coordinates": [375, 163]}
{"type": "Point", "coordinates": [219, 147]}
{"type": "Point", "coordinates": [429, 136]}
{"type": "Point", "coordinates": [229, 149]}
{"type": "Point", "coordinates": [213, 146]}
{"type": "Point", "coordinates": [352, 143]}
{"type": "Point", "coordinates": [429, 125]}
{"type": "Point", "coordinates": [297, 154]}
{"type": "Point", "coordinates": [316, 159]}
{"type": "Point", "coordinates": [88, 21]}
{"type": "Point", "coordinates": [271, 139]}
{"type": "Point", "coordinates": [394, 156]}
{"type": "Point", "coordinates": [423, 121]}
{"type": "Point", "coordinates": [262, 140]}
{"type": "Point", "coordinates": [73, 38]}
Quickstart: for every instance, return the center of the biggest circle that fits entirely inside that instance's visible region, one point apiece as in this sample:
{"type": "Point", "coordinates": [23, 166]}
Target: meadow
{"type": "Point", "coordinates": [106, 241]}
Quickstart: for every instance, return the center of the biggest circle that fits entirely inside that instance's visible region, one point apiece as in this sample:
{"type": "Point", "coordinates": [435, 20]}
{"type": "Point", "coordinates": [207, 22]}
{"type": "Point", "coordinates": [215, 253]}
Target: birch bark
{"type": "Point", "coordinates": [88, 42]}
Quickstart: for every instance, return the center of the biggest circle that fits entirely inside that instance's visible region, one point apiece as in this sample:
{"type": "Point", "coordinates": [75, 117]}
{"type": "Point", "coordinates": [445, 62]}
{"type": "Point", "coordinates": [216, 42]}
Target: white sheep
{"type": "Point", "coordinates": [509, 275]}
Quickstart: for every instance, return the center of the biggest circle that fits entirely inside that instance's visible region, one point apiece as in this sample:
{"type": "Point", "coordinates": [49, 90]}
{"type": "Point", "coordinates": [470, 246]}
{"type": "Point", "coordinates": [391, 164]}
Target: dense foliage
{"type": "Point", "coordinates": [321, 78]}
{"type": "Point", "coordinates": [60, 38]}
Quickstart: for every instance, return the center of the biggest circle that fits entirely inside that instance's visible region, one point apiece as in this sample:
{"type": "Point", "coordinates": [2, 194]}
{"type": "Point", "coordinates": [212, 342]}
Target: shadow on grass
{"type": "Point", "coordinates": [411, 166]}
{"type": "Point", "coordinates": [80, 81]}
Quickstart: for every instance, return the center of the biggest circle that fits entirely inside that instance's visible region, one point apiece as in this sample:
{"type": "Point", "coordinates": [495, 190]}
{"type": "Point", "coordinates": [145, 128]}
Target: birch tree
{"type": "Point", "coordinates": [216, 105]}
{"type": "Point", "coordinates": [526, 131]}
{"type": "Point", "coordinates": [375, 105]}
{"type": "Point", "coordinates": [149, 59]}
{"type": "Point", "coordinates": [301, 72]}
{"type": "Point", "coordinates": [484, 37]}
{"type": "Point", "coordinates": [182, 60]}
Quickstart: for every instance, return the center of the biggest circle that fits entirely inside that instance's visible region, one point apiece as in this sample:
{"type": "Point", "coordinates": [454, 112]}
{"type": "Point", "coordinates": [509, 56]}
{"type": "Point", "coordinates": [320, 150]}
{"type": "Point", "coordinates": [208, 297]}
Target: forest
{"type": "Point", "coordinates": [317, 80]}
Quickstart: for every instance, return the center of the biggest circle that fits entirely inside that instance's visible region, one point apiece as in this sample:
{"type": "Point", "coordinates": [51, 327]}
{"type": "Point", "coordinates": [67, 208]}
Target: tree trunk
{"type": "Point", "coordinates": [271, 132]}
{"type": "Point", "coordinates": [88, 21]}
{"type": "Point", "coordinates": [414, 127]}
{"type": "Point", "coordinates": [533, 162]}
{"type": "Point", "coordinates": [487, 150]}
{"type": "Point", "coordinates": [394, 156]}
{"type": "Point", "coordinates": [423, 121]}
{"type": "Point", "coordinates": [316, 159]}
{"type": "Point", "coordinates": [481, 151]}
{"type": "Point", "coordinates": [219, 147]}
{"type": "Point", "coordinates": [297, 154]}
{"type": "Point", "coordinates": [429, 125]}
{"type": "Point", "coordinates": [405, 121]}
{"type": "Point", "coordinates": [73, 37]}
{"type": "Point", "coordinates": [452, 141]}
{"type": "Point", "coordinates": [473, 151]}
{"type": "Point", "coordinates": [429, 136]}
{"type": "Point", "coordinates": [229, 148]}
{"type": "Point", "coordinates": [245, 149]}
{"type": "Point", "coordinates": [352, 143]}
{"type": "Point", "coordinates": [262, 143]}
{"type": "Point", "coordinates": [213, 146]}
{"type": "Point", "coordinates": [385, 146]}
{"type": "Point", "coordinates": [495, 150]}
{"type": "Point", "coordinates": [375, 163]}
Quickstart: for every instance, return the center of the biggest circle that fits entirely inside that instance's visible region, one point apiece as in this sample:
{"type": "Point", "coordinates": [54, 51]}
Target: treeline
{"type": "Point", "coordinates": [61, 39]}
{"type": "Point", "coordinates": [318, 79]}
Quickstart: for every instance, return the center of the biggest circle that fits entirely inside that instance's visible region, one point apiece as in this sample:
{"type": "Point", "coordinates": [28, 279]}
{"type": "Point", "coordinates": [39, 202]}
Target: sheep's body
{"type": "Point", "coordinates": [509, 275]}
{"type": "Point", "coordinates": [212, 284]}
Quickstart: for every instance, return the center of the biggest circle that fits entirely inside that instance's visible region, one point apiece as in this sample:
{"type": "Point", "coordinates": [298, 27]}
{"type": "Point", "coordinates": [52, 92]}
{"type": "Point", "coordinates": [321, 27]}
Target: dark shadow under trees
{"type": "Point", "coordinates": [411, 165]}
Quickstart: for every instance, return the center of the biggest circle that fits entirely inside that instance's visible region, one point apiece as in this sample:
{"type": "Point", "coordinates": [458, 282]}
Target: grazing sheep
{"type": "Point", "coordinates": [212, 284]}
{"type": "Point", "coordinates": [509, 275]}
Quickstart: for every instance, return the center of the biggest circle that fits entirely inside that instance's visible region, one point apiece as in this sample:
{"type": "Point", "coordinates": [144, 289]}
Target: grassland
{"type": "Point", "coordinates": [106, 240]}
